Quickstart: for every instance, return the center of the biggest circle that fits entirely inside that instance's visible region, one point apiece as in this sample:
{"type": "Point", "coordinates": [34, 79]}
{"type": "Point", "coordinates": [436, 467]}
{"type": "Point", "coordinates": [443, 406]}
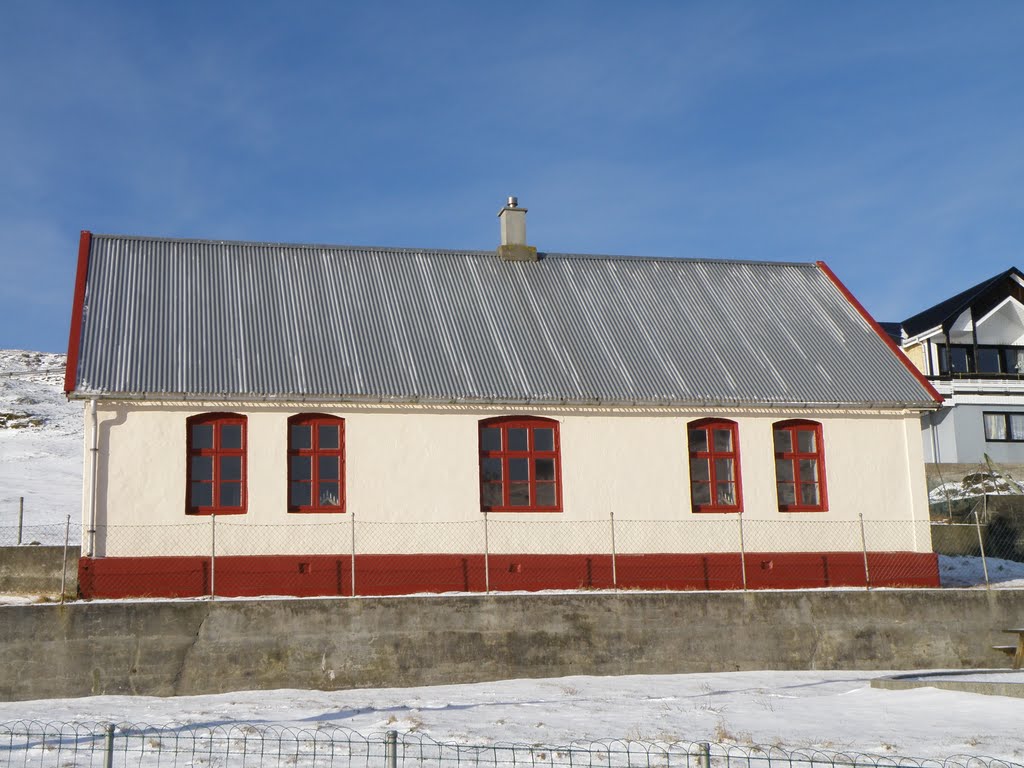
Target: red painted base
{"type": "Point", "coordinates": [321, 575]}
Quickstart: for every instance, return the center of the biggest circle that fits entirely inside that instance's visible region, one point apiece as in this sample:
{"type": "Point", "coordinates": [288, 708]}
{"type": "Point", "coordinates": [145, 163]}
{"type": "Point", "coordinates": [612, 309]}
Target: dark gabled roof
{"type": "Point", "coordinates": [236, 320]}
{"type": "Point", "coordinates": [892, 330]}
{"type": "Point", "coordinates": [945, 313]}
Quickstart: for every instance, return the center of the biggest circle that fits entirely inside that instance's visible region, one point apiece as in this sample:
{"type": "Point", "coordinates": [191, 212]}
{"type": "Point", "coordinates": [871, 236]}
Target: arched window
{"type": "Point", "coordinates": [216, 464]}
{"type": "Point", "coordinates": [520, 469]}
{"type": "Point", "coordinates": [316, 463]}
{"type": "Point", "coordinates": [800, 466]}
{"type": "Point", "coordinates": [714, 466]}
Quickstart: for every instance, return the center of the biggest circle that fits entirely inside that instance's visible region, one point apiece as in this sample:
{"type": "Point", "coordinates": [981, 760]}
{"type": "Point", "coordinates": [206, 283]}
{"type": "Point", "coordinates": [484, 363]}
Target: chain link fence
{"type": "Point", "coordinates": [106, 745]}
{"type": "Point", "coordinates": [976, 527]}
{"type": "Point", "coordinates": [232, 556]}
{"type": "Point", "coordinates": [977, 519]}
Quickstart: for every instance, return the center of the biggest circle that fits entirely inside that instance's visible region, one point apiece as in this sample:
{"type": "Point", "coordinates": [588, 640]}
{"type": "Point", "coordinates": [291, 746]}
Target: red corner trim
{"type": "Point", "coordinates": [75, 337]}
{"type": "Point", "coordinates": [881, 333]}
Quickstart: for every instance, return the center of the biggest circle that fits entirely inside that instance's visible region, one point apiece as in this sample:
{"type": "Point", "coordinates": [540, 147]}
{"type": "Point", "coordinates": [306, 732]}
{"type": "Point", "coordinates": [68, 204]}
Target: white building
{"type": "Point", "coordinates": [306, 419]}
{"type": "Point", "coordinates": [971, 347]}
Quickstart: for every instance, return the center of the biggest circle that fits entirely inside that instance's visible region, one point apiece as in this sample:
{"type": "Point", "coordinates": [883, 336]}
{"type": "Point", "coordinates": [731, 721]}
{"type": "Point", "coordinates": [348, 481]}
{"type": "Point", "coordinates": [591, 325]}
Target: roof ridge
{"type": "Point", "coordinates": [560, 255]}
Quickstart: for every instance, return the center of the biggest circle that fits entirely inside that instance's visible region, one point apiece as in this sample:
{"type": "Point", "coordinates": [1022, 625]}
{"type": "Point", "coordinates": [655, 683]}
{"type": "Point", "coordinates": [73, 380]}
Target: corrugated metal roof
{"type": "Point", "coordinates": [235, 320]}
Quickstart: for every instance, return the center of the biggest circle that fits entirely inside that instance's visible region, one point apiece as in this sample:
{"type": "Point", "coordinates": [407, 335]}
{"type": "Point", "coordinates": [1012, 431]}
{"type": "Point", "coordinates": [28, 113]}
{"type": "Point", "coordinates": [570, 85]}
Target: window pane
{"type": "Point", "coordinates": [202, 495]}
{"type": "Point", "coordinates": [301, 438]}
{"type": "Point", "coordinates": [543, 439]}
{"type": "Point", "coordinates": [329, 495]}
{"type": "Point", "coordinates": [519, 469]}
{"type": "Point", "coordinates": [787, 494]}
{"type": "Point", "coordinates": [202, 468]}
{"type": "Point", "coordinates": [230, 494]}
{"type": "Point", "coordinates": [699, 470]}
{"type": "Point", "coordinates": [723, 469]}
{"type": "Point", "coordinates": [545, 494]}
{"type": "Point", "coordinates": [805, 441]}
{"type": "Point", "coordinates": [1015, 360]}
{"type": "Point", "coordinates": [302, 468]}
{"type": "Point", "coordinates": [519, 495]}
{"type": "Point", "coordinates": [723, 440]}
{"type": "Point", "coordinates": [328, 468]}
{"type": "Point", "coordinates": [299, 496]}
{"type": "Point", "coordinates": [231, 436]}
{"type": "Point", "coordinates": [784, 471]}
{"type": "Point", "coordinates": [995, 426]}
{"type": "Point", "coordinates": [517, 440]}
{"type": "Point", "coordinates": [491, 469]}
{"type": "Point", "coordinates": [490, 439]}
{"type": "Point", "coordinates": [327, 435]}
{"type": "Point", "coordinates": [783, 441]}
{"type": "Point", "coordinates": [958, 359]}
{"type": "Point", "coordinates": [700, 493]}
{"type": "Point", "coordinates": [492, 495]}
{"type": "Point", "coordinates": [988, 360]}
{"type": "Point", "coordinates": [698, 441]}
{"type": "Point", "coordinates": [1017, 426]}
{"type": "Point", "coordinates": [726, 493]}
{"type": "Point", "coordinates": [202, 436]}
{"type": "Point", "coordinates": [808, 471]}
{"type": "Point", "coordinates": [809, 494]}
{"type": "Point", "coordinates": [543, 469]}
{"type": "Point", "coordinates": [230, 467]}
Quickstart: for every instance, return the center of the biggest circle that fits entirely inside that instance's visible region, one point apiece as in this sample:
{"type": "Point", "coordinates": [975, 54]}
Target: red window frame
{"type": "Point", "coordinates": [209, 465]}
{"type": "Point", "coordinates": [543, 476]}
{"type": "Point", "coordinates": [321, 456]}
{"type": "Point", "coordinates": [704, 450]}
{"type": "Point", "coordinates": [793, 458]}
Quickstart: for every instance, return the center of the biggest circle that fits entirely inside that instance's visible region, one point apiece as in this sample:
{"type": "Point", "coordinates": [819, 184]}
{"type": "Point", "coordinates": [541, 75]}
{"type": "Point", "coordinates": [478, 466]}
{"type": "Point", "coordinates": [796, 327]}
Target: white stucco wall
{"type": "Point", "coordinates": [412, 485]}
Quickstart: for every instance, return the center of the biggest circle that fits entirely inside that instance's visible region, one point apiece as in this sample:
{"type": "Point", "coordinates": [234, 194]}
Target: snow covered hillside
{"type": "Point", "coordinates": [40, 443]}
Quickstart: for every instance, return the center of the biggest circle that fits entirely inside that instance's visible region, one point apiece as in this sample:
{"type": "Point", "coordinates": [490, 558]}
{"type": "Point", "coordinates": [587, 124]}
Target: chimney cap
{"type": "Point", "coordinates": [513, 201]}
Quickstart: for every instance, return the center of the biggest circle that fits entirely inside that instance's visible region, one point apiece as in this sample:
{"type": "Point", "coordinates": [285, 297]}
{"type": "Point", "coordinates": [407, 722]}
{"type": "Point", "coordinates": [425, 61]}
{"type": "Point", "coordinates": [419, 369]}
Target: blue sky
{"type": "Point", "coordinates": [886, 138]}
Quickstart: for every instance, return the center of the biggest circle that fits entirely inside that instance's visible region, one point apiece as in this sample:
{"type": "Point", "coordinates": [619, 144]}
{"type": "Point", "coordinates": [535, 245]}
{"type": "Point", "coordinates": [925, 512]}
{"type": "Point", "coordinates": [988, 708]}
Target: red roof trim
{"type": "Point", "coordinates": [881, 333]}
{"type": "Point", "coordinates": [75, 337]}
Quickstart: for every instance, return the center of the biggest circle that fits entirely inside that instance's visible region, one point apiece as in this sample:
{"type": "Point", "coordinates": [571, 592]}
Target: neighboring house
{"type": "Point", "coordinates": [971, 347]}
{"type": "Point", "coordinates": [297, 419]}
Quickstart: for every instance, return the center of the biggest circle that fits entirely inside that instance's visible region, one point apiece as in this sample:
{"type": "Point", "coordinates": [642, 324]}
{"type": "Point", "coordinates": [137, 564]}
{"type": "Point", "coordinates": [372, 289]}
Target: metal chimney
{"type": "Point", "coordinates": [513, 233]}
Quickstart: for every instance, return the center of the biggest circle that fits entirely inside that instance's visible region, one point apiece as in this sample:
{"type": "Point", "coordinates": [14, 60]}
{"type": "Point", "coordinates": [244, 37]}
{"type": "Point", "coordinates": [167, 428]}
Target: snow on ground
{"type": "Point", "coordinates": [963, 571]}
{"type": "Point", "coordinates": [40, 443]}
{"type": "Point", "coordinates": [830, 710]}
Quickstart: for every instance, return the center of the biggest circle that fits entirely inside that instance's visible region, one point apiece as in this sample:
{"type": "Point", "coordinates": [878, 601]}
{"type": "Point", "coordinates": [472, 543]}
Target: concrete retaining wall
{"type": "Point", "coordinates": [36, 570]}
{"type": "Point", "coordinates": [191, 647]}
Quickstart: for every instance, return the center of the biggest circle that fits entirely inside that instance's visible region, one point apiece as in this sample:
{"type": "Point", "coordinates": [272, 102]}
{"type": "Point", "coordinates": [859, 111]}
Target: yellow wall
{"type": "Point", "coordinates": [915, 353]}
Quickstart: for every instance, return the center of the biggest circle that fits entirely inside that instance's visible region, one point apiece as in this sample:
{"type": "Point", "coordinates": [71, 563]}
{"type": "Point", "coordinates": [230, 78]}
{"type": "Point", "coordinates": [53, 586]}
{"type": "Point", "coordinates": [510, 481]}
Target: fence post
{"type": "Point", "coordinates": [981, 546]}
{"type": "Point", "coordinates": [213, 556]}
{"type": "Point", "coordinates": [487, 558]}
{"type": "Point", "coordinates": [353, 553]}
{"type": "Point", "coordinates": [743, 553]}
{"type": "Point", "coordinates": [391, 749]}
{"type": "Point", "coordinates": [108, 740]}
{"type": "Point", "coordinates": [64, 565]}
{"type": "Point", "coordinates": [864, 549]}
{"type": "Point", "coordinates": [21, 516]}
{"type": "Point", "coordinates": [704, 754]}
{"type": "Point", "coordinates": [615, 577]}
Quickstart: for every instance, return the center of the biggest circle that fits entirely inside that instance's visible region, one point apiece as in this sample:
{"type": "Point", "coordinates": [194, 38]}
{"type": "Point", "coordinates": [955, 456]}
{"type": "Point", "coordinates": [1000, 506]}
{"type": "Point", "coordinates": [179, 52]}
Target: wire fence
{"type": "Point", "coordinates": [982, 537]}
{"type": "Point", "coordinates": [232, 556]}
{"type": "Point", "coordinates": [106, 745]}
